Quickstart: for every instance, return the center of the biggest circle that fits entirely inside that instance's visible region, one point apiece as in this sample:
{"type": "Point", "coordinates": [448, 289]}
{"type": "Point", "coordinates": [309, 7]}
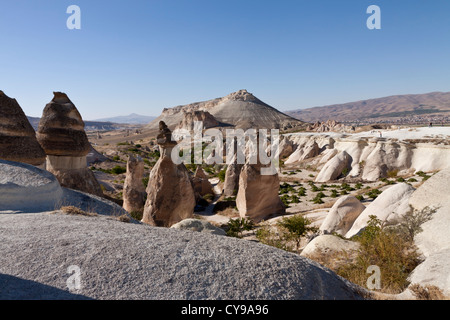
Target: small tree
{"type": "Point", "coordinates": [297, 227]}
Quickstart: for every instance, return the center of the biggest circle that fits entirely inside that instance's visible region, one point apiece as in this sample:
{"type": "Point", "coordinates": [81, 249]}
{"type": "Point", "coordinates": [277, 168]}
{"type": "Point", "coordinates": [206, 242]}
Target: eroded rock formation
{"type": "Point", "coordinates": [134, 189]}
{"type": "Point", "coordinates": [258, 198]}
{"type": "Point", "coordinates": [17, 136]}
{"type": "Point", "coordinates": [170, 194]}
{"type": "Point", "coordinates": [61, 134]}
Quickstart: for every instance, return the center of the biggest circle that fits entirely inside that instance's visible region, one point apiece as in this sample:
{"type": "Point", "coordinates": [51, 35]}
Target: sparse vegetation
{"type": "Point", "coordinates": [236, 227]}
{"type": "Point", "coordinates": [71, 210]}
{"type": "Point", "coordinates": [412, 221]}
{"type": "Point", "coordinates": [296, 227]}
{"type": "Point", "coordinates": [394, 255]}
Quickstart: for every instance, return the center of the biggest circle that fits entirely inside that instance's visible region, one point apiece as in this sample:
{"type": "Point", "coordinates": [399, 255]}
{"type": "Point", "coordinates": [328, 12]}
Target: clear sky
{"type": "Point", "coordinates": [144, 55]}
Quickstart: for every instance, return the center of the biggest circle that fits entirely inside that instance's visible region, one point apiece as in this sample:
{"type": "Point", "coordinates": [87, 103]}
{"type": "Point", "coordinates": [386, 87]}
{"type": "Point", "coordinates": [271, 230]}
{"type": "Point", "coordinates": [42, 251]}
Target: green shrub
{"type": "Point", "coordinates": [118, 170]}
{"type": "Point", "coordinates": [145, 181]}
{"type": "Point", "coordinates": [301, 192]}
{"type": "Point", "coordinates": [373, 194]}
{"type": "Point", "coordinates": [222, 174]}
{"type": "Point", "coordinates": [296, 227]}
{"type": "Point", "coordinates": [235, 227]}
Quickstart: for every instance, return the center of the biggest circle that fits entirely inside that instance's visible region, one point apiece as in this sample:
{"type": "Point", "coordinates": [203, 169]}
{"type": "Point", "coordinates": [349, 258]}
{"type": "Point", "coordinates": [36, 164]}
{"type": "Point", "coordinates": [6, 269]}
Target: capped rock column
{"type": "Point", "coordinates": [62, 136]}
{"type": "Point", "coordinates": [17, 137]}
{"type": "Point", "coordinates": [133, 189]}
{"type": "Point", "coordinates": [170, 194]}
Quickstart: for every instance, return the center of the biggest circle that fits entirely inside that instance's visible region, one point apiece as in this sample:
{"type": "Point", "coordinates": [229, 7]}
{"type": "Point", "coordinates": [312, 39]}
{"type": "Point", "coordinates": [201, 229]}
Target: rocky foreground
{"type": "Point", "coordinates": [120, 260]}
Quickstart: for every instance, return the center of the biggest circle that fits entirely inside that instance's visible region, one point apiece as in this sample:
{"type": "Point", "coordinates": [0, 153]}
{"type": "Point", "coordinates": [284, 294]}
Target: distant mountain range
{"type": "Point", "coordinates": [130, 119]}
{"type": "Point", "coordinates": [398, 106]}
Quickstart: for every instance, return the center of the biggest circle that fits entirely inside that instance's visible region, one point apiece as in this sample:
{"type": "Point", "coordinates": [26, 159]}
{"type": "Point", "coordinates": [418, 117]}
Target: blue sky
{"type": "Point", "coordinates": [142, 56]}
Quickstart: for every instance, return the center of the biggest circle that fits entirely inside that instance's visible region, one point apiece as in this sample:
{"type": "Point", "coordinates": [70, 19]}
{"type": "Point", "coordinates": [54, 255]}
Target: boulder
{"type": "Point", "coordinates": [17, 136]}
{"type": "Point", "coordinates": [198, 226]}
{"type": "Point", "coordinates": [334, 167]}
{"type": "Point", "coordinates": [342, 215]}
{"type": "Point", "coordinates": [133, 188]}
{"type": "Point", "coordinates": [170, 194]}
{"type": "Point", "coordinates": [389, 207]}
{"type": "Point", "coordinates": [328, 244]}
{"type": "Point", "coordinates": [161, 264]}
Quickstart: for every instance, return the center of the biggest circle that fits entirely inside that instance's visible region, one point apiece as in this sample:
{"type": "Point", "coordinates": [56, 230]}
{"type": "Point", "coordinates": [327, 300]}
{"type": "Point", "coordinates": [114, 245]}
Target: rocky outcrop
{"type": "Point", "coordinates": [133, 188]}
{"type": "Point", "coordinates": [329, 125]}
{"type": "Point", "coordinates": [342, 215]}
{"type": "Point", "coordinates": [162, 264]}
{"type": "Point", "coordinates": [371, 158]}
{"type": "Point", "coordinates": [309, 150]}
{"type": "Point", "coordinates": [189, 119]}
{"type": "Point", "coordinates": [170, 194]}
{"type": "Point", "coordinates": [17, 136]}
{"type": "Point", "coordinates": [61, 134]}
{"type": "Point", "coordinates": [389, 207]}
{"type": "Point", "coordinates": [334, 167]}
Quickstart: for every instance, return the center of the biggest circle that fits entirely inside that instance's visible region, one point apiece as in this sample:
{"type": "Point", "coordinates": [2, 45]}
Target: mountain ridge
{"type": "Point", "coordinates": [389, 107]}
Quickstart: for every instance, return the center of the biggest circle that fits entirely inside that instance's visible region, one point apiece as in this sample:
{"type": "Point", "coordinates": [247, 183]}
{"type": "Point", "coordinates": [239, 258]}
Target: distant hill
{"type": "Point", "coordinates": [240, 109]}
{"type": "Point", "coordinates": [89, 125]}
{"type": "Point", "coordinates": [435, 103]}
{"type": "Point", "coordinates": [130, 119]}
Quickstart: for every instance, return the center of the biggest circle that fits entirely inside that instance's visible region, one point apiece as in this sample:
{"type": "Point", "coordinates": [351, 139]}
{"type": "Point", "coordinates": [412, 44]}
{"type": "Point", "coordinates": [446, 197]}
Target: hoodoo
{"type": "Point", "coordinates": [170, 194]}
{"type": "Point", "coordinates": [62, 136]}
{"type": "Point", "coordinates": [17, 136]}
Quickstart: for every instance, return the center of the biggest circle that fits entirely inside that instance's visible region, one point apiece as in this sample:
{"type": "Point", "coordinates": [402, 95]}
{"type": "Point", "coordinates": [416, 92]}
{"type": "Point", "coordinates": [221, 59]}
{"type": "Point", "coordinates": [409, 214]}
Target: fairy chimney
{"type": "Point", "coordinates": [62, 136]}
{"type": "Point", "coordinates": [170, 194]}
{"type": "Point", "coordinates": [257, 197]}
{"type": "Point", "coordinates": [134, 189]}
{"type": "Point", "coordinates": [17, 136]}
